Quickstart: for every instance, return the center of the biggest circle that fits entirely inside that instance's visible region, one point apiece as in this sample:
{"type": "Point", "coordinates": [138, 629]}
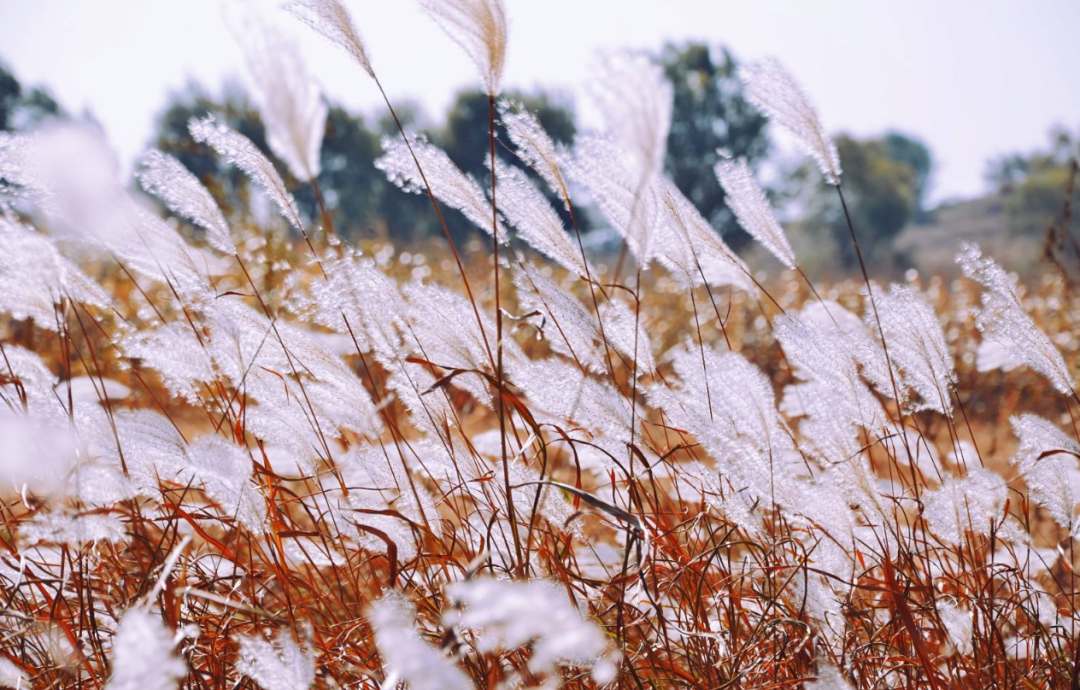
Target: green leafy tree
{"type": "Point", "coordinates": [916, 155]}
{"type": "Point", "coordinates": [710, 113]}
{"type": "Point", "coordinates": [882, 193]}
{"type": "Point", "coordinates": [1035, 184]}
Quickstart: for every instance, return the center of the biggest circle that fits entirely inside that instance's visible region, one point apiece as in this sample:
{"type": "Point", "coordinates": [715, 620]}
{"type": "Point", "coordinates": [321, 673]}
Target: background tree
{"type": "Point", "coordinates": [22, 108]}
{"type": "Point", "coordinates": [710, 113]}
{"type": "Point", "coordinates": [884, 180]}
{"type": "Point", "coordinates": [916, 155]}
{"type": "Point", "coordinates": [1034, 184]}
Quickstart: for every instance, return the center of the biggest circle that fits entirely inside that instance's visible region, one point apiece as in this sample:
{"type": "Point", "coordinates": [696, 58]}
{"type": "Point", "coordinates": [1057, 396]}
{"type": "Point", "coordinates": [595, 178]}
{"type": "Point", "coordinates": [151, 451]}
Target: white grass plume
{"type": "Point", "coordinates": [64, 527]}
{"type": "Point", "coordinates": [772, 89]}
{"type": "Point", "coordinates": [224, 471]}
{"type": "Point", "coordinates": [691, 249]}
{"type": "Point", "coordinates": [166, 178]}
{"type": "Point", "coordinates": [331, 20]}
{"type": "Point", "coordinates": [406, 656]}
{"type": "Point", "coordinates": [536, 221]}
{"type": "Point", "coordinates": [448, 183]}
{"type": "Point", "coordinates": [972, 503]}
{"type": "Point", "coordinates": [730, 408]}
{"type": "Point", "coordinates": [34, 277]}
{"type": "Point", "coordinates": [280, 664]}
{"type": "Point", "coordinates": [143, 657]}
{"type": "Point", "coordinates": [636, 100]}
{"type": "Point", "coordinates": [508, 615]}
{"type": "Point", "coordinates": [241, 152]}
{"type": "Point", "coordinates": [1045, 456]}
{"type": "Point", "coordinates": [534, 146]}
{"type": "Point", "coordinates": [917, 346]}
{"type": "Point", "coordinates": [479, 27]}
{"type": "Point", "coordinates": [628, 203]}
{"type": "Point", "coordinates": [71, 175]}
{"type": "Point", "coordinates": [290, 102]}
{"type": "Point", "coordinates": [747, 201]}
{"type": "Point", "coordinates": [1002, 319]}
{"type": "Point", "coordinates": [958, 624]}
{"type": "Point", "coordinates": [572, 330]}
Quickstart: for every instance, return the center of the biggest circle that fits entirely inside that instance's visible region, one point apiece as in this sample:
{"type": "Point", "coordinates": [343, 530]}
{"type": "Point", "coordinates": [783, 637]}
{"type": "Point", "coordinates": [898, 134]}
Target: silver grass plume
{"type": "Point", "coordinates": [242, 153]}
{"type": "Point", "coordinates": [71, 175]}
{"type": "Point", "coordinates": [65, 527]}
{"type": "Point", "coordinates": [536, 613]}
{"type": "Point", "coordinates": [1002, 319]}
{"type": "Point", "coordinates": [224, 470]}
{"type": "Point", "coordinates": [69, 172]}
{"type": "Point", "coordinates": [276, 665]}
{"type": "Point", "coordinates": [772, 89]}
{"type": "Point", "coordinates": [528, 210]}
{"type": "Point", "coordinates": [559, 391]}
{"type": "Point", "coordinates": [406, 655]}
{"type": "Point", "coordinates": [479, 27]}
{"type": "Point", "coordinates": [833, 397]}
{"type": "Point", "coordinates": [917, 346]}
{"type": "Point", "coordinates": [958, 624]}
{"type": "Point", "coordinates": [690, 248]}
{"type": "Point", "coordinates": [636, 100]}
{"type": "Point", "coordinates": [747, 201]}
{"type": "Point", "coordinates": [1046, 456]}
{"type": "Point", "coordinates": [573, 331]}
{"type": "Point", "coordinates": [728, 405]}
{"type": "Point", "coordinates": [166, 178]}
{"type": "Point", "coordinates": [444, 325]}
{"type": "Point", "coordinates": [34, 277]}
{"type": "Point", "coordinates": [331, 20]}
{"type": "Point", "coordinates": [448, 183]}
{"type": "Point", "coordinates": [290, 102]}
{"type": "Point", "coordinates": [620, 320]}
{"type": "Point", "coordinates": [534, 146]}
{"type": "Point", "coordinates": [972, 503]}
{"type": "Point", "coordinates": [630, 205]}
{"type": "Point", "coordinates": [143, 657]}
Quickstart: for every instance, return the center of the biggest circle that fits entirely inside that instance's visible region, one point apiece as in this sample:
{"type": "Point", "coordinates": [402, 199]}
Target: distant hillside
{"type": "Point", "coordinates": [931, 247]}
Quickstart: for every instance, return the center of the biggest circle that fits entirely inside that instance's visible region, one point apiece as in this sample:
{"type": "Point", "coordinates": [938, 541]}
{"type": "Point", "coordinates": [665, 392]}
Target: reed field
{"type": "Point", "coordinates": [238, 451]}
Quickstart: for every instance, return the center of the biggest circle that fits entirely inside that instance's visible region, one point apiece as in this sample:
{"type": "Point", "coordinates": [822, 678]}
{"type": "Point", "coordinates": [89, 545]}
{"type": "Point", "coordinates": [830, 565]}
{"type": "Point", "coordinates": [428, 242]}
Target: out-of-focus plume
{"type": "Point", "coordinates": [479, 27]}
{"type": "Point", "coordinates": [290, 102]}
{"type": "Point", "coordinates": [636, 100]}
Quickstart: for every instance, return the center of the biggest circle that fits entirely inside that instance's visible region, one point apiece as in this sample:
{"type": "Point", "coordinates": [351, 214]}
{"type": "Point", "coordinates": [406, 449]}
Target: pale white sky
{"type": "Point", "coordinates": [973, 78]}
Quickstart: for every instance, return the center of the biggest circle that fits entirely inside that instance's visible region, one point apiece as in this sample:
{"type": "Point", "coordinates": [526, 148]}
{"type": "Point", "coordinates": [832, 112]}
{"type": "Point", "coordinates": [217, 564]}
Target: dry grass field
{"type": "Point", "coordinates": [238, 454]}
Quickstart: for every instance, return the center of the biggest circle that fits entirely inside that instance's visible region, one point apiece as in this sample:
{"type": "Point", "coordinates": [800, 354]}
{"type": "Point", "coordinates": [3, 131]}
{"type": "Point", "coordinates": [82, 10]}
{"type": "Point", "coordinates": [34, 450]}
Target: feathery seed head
{"type": "Point", "coordinates": [772, 89]}
{"type": "Point", "coordinates": [479, 27]}
{"type": "Point", "coordinates": [331, 20]}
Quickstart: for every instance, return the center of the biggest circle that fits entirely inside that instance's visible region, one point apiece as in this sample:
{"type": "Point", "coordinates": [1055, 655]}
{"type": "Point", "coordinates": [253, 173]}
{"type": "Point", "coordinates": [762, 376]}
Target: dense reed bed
{"type": "Point", "coordinates": [249, 454]}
